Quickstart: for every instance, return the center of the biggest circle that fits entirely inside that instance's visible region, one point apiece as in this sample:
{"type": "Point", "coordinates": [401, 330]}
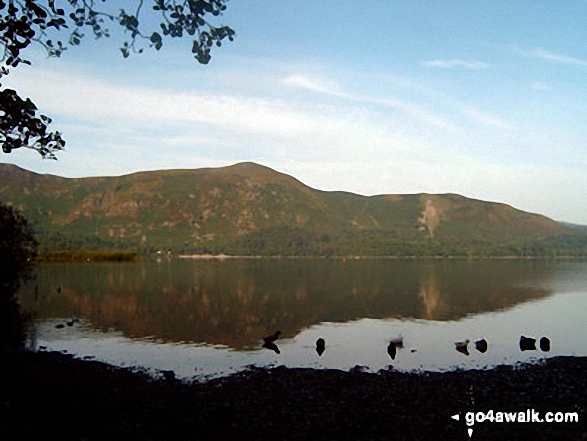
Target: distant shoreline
{"type": "Point", "coordinates": [86, 256]}
{"type": "Point", "coordinates": [360, 257]}
{"type": "Point", "coordinates": [83, 256]}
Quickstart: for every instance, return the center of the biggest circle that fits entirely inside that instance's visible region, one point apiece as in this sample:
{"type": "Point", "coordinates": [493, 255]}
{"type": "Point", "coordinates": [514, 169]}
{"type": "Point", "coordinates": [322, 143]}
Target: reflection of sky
{"type": "Point", "coordinates": [362, 342]}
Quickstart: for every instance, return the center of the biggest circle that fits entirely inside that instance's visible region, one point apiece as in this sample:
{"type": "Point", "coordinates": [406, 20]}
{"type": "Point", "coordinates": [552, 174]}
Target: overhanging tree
{"type": "Point", "coordinates": [57, 25]}
{"type": "Point", "coordinates": [18, 249]}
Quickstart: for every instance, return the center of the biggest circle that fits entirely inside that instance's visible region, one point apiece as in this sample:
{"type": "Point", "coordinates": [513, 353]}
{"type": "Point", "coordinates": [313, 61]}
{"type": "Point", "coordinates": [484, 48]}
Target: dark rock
{"type": "Point", "coordinates": [481, 345]}
{"type": "Point", "coordinates": [272, 346]}
{"type": "Point", "coordinates": [392, 350]}
{"type": "Point", "coordinates": [168, 375]}
{"type": "Point", "coordinates": [320, 346]}
{"type": "Point", "coordinates": [271, 338]}
{"type": "Point", "coordinates": [527, 344]}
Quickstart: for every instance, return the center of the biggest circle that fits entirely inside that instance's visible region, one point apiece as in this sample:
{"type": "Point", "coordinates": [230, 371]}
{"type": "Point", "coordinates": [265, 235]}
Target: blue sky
{"type": "Point", "coordinates": [484, 99]}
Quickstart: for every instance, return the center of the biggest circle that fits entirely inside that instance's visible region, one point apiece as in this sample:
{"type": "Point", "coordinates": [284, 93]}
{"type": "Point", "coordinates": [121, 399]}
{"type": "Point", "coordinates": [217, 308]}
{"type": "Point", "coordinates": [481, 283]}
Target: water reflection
{"type": "Point", "coordinates": [12, 321]}
{"type": "Point", "coordinates": [235, 302]}
{"type": "Point", "coordinates": [16, 325]}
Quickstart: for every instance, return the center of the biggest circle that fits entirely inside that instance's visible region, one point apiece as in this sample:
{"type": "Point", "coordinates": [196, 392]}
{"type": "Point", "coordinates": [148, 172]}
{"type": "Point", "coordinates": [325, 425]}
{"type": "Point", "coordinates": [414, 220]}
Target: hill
{"type": "Point", "coordinates": [247, 208]}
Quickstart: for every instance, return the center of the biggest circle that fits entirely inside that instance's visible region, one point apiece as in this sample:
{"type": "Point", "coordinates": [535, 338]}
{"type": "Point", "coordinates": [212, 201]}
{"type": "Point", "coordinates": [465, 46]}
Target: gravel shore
{"type": "Point", "coordinates": [55, 396]}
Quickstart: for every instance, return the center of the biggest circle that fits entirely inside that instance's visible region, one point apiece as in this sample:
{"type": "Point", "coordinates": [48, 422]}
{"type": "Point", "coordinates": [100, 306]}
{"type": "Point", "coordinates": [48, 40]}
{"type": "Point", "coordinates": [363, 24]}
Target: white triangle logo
{"type": "Point", "coordinates": [455, 417]}
{"type": "Point", "coordinates": [470, 432]}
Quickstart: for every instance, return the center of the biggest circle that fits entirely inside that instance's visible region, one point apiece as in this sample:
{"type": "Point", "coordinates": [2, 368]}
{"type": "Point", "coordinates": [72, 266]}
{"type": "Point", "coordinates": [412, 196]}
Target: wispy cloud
{"type": "Point", "coordinates": [455, 63]}
{"type": "Point", "coordinates": [546, 55]}
{"type": "Point", "coordinates": [416, 111]}
{"type": "Point", "coordinates": [221, 125]}
{"type": "Point", "coordinates": [316, 85]}
{"type": "Point", "coordinates": [487, 119]}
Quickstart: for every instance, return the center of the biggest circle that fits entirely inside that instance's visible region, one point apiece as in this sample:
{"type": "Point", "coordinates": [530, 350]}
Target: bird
{"type": "Point", "coordinates": [527, 344]}
{"type": "Point", "coordinates": [462, 347]}
{"type": "Point", "coordinates": [481, 345]}
{"type": "Point", "coordinates": [271, 338]}
{"type": "Point", "coordinates": [320, 346]}
{"type": "Point", "coordinates": [545, 344]}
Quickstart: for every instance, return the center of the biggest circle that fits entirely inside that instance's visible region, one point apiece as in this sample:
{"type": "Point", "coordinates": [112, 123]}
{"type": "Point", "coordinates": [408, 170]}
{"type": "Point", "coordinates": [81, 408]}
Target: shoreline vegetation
{"type": "Point", "coordinates": [83, 256]}
{"type": "Point", "coordinates": [69, 398]}
{"type": "Point", "coordinates": [359, 257]}
{"type": "Point", "coordinates": [88, 256]}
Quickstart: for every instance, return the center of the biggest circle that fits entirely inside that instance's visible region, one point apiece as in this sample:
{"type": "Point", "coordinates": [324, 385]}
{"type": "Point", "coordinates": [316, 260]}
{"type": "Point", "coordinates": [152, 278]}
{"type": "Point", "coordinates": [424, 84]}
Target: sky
{"type": "Point", "coordinates": [487, 99]}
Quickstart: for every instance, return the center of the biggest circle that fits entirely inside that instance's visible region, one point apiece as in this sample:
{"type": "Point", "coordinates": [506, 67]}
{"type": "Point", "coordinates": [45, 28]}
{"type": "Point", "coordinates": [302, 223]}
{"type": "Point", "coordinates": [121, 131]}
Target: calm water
{"type": "Point", "coordinates": [207, 318]}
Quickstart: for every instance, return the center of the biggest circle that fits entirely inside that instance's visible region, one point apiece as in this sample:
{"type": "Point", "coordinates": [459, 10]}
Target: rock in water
{"type": "Point", "coordinates": [527, 344]}
{"type": "Point", "coordinates": [481, 345]}
{"type": "Point", "coordinates": [462, 347]}
{"type": "Point", "coordinates": [320, 346]}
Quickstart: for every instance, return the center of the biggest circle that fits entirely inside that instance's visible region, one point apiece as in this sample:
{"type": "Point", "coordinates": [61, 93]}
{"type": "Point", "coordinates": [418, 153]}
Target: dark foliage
{"type": "Point", "coordinates": [89, 256]}
{"type": "Point", "coordinates": [46, 22]}
{"type": "Point", "coordinates": [20, 126]}
{"type": "Point", "coordinates": [18, 249]}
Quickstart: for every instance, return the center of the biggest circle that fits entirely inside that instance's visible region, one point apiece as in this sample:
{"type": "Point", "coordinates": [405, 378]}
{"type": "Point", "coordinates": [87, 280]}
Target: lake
{"type": "Point", "coordinates": [206, 318]}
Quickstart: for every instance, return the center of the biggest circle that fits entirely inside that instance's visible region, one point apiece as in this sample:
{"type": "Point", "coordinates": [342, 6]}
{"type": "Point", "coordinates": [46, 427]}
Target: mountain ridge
{"type": "Point", "coordinates": [247, 208]}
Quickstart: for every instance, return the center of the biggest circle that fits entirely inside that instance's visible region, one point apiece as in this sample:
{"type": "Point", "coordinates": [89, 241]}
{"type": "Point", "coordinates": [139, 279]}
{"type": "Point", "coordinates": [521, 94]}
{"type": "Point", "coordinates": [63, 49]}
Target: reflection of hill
{"type": "Point", "coordinates": [430, 297]}
{"type": "Point", "coordinates": [236, 302]}
{"type": "Point", "coordinates": [475, 289]}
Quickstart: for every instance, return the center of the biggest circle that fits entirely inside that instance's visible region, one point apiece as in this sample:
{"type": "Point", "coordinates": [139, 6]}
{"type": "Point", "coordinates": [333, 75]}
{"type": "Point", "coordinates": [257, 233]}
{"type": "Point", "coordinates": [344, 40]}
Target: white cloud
{"type": "Point", "coordinates": [152, 121]}
{"type": "Point", "coordinates": [416, 111]}
{"type": "Point", "coordinates": [191, 139]}
{"type": "Point", "coordinates": [545, 55]}
{"type": "Point", "coordinates": [487, 119]}
{"type": "Point", "coordinates": [455, 63]}
{"type": "Point", "coordinates": [128, 108]}
{"type": "Point", "coordinates": [316, 85]}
